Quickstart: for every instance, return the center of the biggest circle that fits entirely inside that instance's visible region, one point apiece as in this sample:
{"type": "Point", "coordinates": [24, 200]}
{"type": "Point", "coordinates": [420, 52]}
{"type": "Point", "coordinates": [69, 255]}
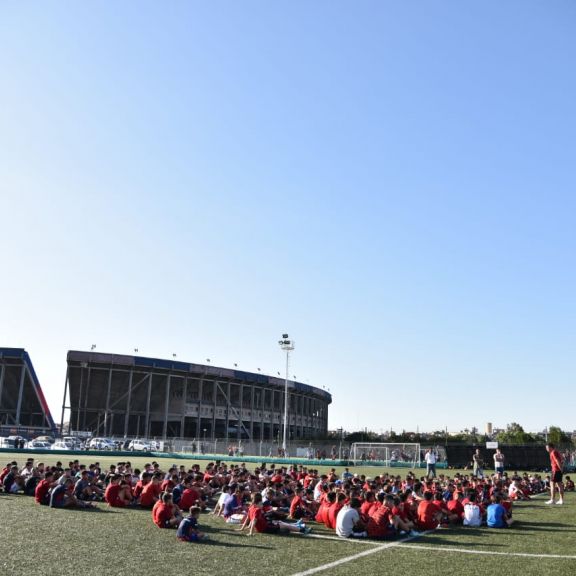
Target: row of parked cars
{"type": "Point", "coordinates": [74, 443]}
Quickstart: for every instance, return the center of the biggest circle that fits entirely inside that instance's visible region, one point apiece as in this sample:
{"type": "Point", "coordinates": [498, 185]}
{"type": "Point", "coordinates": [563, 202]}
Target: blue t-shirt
{"type": "Point", "coordinates": [495, 516]}
{"type": "Point", "coordinates": [187, 529]}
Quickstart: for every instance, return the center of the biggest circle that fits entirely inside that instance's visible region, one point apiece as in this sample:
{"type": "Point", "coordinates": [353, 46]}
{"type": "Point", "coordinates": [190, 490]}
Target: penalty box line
{"type": "Point", "coordinates": [485, 552]}
{"type": "Point", "coordinates": [346, 559]}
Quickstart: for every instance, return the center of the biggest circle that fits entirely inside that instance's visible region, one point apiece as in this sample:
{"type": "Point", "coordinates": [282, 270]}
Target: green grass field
{"type": "Point", "coordinates": [36, 541]}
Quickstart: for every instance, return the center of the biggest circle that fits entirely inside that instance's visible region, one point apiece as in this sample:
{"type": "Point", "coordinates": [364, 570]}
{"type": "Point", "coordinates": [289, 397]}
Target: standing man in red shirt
{"type": "Point", "coordinates": [556, 462]}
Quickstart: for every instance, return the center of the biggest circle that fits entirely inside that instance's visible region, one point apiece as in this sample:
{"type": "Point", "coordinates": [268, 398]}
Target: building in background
{"type": "Point", "coordinates": [23, 407]}
{"type": "Point", "coordinates": [134, 396]}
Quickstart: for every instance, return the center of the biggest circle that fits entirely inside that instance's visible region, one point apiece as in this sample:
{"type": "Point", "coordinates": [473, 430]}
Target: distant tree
{"type": "Point", "coordinates": [515, 434]}
{"type": "Point", "coordinates": [558, 436]}
{"type": "Point", "coordinates": [363, 436]}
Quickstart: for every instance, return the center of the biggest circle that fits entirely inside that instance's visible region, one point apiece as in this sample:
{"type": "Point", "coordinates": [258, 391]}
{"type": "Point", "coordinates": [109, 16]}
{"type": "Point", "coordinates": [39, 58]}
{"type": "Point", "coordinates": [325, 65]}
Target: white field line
{"type": "Point", "coordinates": [355, 556]}
{"type": "Point", "coordinates": [403, 543]}
{"type": "Point", "coordinates": [485, 552]}
{"type": "Point", "coordinates": [347, 540]}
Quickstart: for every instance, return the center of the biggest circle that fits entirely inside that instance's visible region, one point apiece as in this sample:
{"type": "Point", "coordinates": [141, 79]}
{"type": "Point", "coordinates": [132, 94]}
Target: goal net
{"type": "Point", "coordinates": [386, 454]}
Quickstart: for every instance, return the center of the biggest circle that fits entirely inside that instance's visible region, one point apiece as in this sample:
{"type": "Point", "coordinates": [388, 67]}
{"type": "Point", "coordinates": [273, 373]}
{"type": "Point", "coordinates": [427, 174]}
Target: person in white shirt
{"type": "Point", "coordinates": [430, 459]}
{"type": "Point", "coordinates": [348, 522]}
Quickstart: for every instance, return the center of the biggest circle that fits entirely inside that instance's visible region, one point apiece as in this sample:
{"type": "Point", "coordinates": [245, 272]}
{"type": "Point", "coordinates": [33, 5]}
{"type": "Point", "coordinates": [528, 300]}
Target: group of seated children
{"type": "Point", "coordinates": [286, 499]}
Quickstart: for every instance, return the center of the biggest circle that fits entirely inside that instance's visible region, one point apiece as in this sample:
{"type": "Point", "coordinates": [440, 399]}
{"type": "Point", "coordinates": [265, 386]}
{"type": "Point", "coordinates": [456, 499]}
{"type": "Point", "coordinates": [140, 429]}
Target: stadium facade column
{"type": "Point", "coordinates": [166, 403]}
{"type": "Point", "coordinates": [252, 413]}
{"type": "Point", "coordinates": [64, 399]}
{"type": "Point", "coordinates": [107, 402]}
{"type": "Point", "coordinates": [301, 415]}
{"type": "Point", "coordinates": [36, 392]}
{"type": "Point", "coordinates": [80, 398]}
{"type": "Point", "coordinates": [183, 406]}
{"type": "Point", "coordinates": [214, 402]}
{"type": "Point", "coordinates": [2, 373]}
{"type": "Point", "coordinates": [199, 417]}
{"type": "Point", "coordinates": [128, 402]}
{"type": "Point", "coordinates": [260, 404]}
{"type": "Point", "coordinates": [86, 398]}
{"type": "Point", "coordinates": [240, 426]}
{"type": "Point", "coordinates": [227, 410]}
{"type": "Point", "coordinates": [147, 423]}
{"type": "Point", "coordinates": [20, 394]}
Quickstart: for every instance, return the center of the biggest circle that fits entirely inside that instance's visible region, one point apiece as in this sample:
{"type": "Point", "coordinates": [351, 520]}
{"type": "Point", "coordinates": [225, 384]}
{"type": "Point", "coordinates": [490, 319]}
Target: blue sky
{"type": "Point", "coordinates": [391, 183]}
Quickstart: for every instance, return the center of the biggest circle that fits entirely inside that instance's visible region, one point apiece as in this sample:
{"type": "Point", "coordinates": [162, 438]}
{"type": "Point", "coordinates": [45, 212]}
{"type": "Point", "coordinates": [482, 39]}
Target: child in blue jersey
{"type": "Point", "coordinates": [188, 528]}
{"type": "Point", "coordinates": [496, 515]}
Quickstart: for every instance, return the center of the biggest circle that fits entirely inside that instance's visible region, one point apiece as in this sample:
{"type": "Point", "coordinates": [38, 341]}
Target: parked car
{"type": "Point", "coordinates": [62, 445]}
{"type": "Point", "coordinates": [101, 444]}
{"type": "Point", "coordinates": [139, 445]}
{"type": "Point", "coordinates": [75, 442]}
{"type": "Point", "coordinates": [49, 439]}
{"type": "Point", "coordinates": [7, 443]}
{"type": "Point", "coordinates": [35, 444]}
{"type": "Point", "coordinates": [19, 441]}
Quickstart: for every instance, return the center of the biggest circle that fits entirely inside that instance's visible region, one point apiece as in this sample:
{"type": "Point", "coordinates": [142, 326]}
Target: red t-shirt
{"type": "Point", "coordinates": [322, 512]}
{"type": "Point", "coordinates": [189, 498]}
{"type": "Point", "coordinates": [332, 513]}
{"type": "Point", "coordinates": [366, 508]}
{"type": "Point", "coordinates": [556, 460]}
{"type": "Point", "coordinates": [161, 513]}
{"type": "Point", "coordinates": [111, 496]}
{"type": "Point", "coordinates": [42, 491]}
{"type": "Point", "coordinates": [455, 507]}
{"type": "Point", "coordinates": [149, 493]}
{"type": "Point", "coordinates": [379, 523]}
{"type": "Point", "coordinates": [296, 503]}
{"type": "Point", "coordinates": [427, 510]}
{"type": "Point", "coordinates": [256, 513]}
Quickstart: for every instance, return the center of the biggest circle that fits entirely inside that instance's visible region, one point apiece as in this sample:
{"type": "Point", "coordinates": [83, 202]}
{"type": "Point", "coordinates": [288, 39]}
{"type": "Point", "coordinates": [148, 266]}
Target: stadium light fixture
{"type": "Point", "coordinates": [93, 347]}
{"type": "Point", "coordinates": [287, 345]}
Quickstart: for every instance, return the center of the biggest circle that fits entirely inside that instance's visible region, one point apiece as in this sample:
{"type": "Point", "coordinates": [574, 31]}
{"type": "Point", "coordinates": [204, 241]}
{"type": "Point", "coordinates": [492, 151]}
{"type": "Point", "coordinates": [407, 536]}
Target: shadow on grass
{"type": "Point", "coordinates": [221, 544]}
{"type": "Point", "coordinates": [446, 542]}
{"type": "Point", "coordinates": [543, 526]}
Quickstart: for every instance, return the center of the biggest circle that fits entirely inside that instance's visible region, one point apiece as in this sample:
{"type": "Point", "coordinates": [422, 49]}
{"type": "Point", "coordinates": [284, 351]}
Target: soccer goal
{"type": "Point", "coordinates": [386, 454]}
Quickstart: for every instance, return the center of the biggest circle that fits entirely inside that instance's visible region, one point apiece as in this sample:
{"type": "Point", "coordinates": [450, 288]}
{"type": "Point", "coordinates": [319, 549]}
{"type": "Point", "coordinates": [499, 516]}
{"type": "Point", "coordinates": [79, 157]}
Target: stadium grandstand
{"type": "Point", "coordinates": [134, 396]}
{"type": "Point", "coordinates": [23, 407]}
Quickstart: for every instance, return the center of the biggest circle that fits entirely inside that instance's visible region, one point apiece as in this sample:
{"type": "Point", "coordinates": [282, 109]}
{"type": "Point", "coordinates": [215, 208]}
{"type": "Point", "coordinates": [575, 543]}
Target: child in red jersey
{"type": "Point", "coordinates": [299, 506]}
{"type": "Point", "coordinates": [118, 493]}
{"type": "Point", "coordinates": [150, 492]}
{"type": "Point", "coordinates": [455, 508]}
{"type": "Point", "coordinates": [165, 513]}
{"type": "Point", "coordinates": [429, 514]}
{"type": "Point", "coordinates": [41, 494]}
{"type": "Point", "coordinates": [332, 512]}
{"type": "Point", "coordinates": [256, 520]}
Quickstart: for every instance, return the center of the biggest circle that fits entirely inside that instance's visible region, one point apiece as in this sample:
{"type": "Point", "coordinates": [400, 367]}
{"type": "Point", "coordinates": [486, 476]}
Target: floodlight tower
{"type": "Point", "coordinates": [287, 345]}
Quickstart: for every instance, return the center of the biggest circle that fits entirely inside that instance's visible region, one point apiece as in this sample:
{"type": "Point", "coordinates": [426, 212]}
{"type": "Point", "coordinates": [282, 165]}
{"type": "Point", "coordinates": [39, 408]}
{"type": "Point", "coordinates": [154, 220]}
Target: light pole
{"type": "Point", "coordinates": [287, 345]}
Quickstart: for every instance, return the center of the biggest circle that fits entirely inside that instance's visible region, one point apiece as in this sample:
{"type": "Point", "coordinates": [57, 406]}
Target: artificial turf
{"type": "Point", "coordinates": [36, 540]}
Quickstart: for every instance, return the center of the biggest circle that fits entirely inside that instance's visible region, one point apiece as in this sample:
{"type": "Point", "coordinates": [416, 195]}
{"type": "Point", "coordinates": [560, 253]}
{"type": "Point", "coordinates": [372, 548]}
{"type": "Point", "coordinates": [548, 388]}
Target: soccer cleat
{"type": "Point", "coordinates": [549, 501]}
{"type": "Point", "coordinates": [307, 530]}
{"type": "Point", "coordinates": [415, 533]}
{"type": "Point", "coordinates": [560, 502]}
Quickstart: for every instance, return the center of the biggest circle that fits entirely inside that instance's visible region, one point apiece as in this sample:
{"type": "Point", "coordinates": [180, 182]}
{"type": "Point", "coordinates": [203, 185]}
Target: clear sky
{"type": "Point", "coordinates": [390, 182]}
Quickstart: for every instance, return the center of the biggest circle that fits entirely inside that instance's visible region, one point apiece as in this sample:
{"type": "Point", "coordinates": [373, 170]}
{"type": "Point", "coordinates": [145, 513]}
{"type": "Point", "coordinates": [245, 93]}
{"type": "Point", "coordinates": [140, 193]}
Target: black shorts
{"type": "Point", "coordinates": [272, 528]}
{"type": "Point", "coordinates": [557, 476]}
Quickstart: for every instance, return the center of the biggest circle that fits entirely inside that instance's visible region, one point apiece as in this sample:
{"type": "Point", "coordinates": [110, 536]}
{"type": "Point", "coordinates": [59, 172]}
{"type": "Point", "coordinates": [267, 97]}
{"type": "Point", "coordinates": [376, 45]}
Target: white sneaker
{"type": "Point", "coordinates": [550, 502]}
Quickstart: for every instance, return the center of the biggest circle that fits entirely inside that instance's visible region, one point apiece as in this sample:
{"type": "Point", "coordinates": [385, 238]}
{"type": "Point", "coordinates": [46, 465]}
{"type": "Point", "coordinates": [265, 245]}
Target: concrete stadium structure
{"type": "Point", "coordinates": [118, 395]}
{"type": "Point", "coordinates": [23, 407]}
